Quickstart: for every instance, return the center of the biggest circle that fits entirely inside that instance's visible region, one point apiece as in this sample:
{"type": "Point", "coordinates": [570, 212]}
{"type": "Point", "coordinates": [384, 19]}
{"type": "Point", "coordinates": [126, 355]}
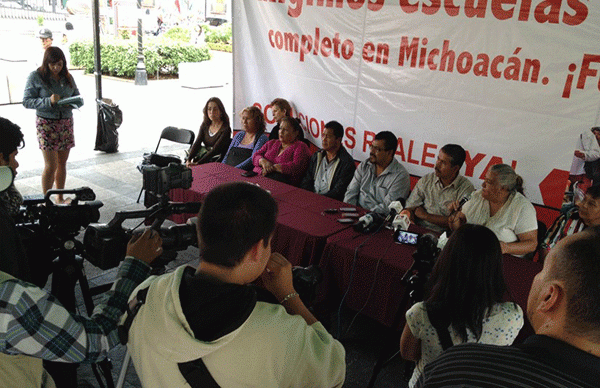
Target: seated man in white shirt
{"type": "Point", "coordinates": [380, 179]}
{"type": "Point", "coordinates": [428, 204]}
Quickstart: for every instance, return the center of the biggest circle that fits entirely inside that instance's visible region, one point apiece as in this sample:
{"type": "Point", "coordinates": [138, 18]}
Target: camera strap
{"type": "Point", "coordinates": [195, 372]}
{"type": "Point", "coordinates": [442, 330]}
{"type": "Point", "coordinates": [132, 309]}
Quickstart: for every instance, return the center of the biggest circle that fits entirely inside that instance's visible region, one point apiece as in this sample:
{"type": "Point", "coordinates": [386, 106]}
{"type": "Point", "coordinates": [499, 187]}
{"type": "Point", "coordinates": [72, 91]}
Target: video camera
{"type": "Point", "coordinates": [159, 180]}
{"type": "Point", "coordinates": [59, 220]}
{"type": "Point", "coordinates": [423, 260]}
{"type": "Point", "coordinates": [106, 244]}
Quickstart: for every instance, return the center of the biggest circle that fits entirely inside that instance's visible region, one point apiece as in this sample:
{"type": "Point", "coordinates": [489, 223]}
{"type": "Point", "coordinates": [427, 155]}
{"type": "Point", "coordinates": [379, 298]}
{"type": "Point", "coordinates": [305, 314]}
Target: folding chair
{"type": "Point", "coordinates": [176, 135]}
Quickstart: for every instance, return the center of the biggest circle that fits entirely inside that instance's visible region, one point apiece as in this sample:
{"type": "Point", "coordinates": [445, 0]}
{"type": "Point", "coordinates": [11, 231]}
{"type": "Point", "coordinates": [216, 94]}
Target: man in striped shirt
{"type": "Point", "coordinates": [563, 310]}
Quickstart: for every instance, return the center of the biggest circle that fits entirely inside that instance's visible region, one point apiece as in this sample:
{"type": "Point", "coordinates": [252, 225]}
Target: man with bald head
{"type": "Point", "coordinates": [563, 308]}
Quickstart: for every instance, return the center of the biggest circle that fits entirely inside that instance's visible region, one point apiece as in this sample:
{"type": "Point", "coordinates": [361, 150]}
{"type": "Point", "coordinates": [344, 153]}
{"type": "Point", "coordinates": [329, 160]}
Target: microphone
{"type": "Point", "coordinates": [401, 222]}
{"type": "Point", "coordinates": [462, 201]}
{"type": "Point", "coordinates": [368, 222]}
{"type": "Point", "coordinates": [363, 222]}
{"type": "Point", "coordinates": [395, 208]}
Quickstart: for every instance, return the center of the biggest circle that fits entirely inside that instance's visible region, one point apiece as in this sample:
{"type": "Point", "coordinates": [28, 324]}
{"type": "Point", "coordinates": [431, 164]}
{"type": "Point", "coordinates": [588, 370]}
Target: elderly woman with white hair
{"type": "Point", "coordinates": [501, 206]}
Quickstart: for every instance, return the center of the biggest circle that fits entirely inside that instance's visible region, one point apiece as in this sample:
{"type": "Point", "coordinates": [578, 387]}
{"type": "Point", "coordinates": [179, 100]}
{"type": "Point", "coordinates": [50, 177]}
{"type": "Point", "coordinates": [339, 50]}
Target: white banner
{"type": "Point", "coordinates": [512, 81]}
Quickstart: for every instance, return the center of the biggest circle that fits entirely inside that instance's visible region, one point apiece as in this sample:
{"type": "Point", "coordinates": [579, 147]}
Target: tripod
{"type": "Point", "coordinates": [414, 280]}
{"type": "Point", "coordinates": [67, 270]}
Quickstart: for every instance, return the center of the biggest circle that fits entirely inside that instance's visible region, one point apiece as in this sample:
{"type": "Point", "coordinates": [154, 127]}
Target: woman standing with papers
{"type": "Point", "coordinates": [52, 92]}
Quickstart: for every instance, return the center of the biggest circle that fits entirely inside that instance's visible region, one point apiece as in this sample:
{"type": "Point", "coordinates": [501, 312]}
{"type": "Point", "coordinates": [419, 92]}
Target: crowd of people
{"type": "Point", "coordinates": [213, 326]}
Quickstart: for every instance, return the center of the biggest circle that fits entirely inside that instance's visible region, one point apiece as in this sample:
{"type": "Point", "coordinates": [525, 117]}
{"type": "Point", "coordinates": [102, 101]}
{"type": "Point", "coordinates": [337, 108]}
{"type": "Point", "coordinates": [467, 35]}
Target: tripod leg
{"type": "Point", "coordinates": [124, 367]}
{"type": "Point", "coordinates": [85, 287]}
{"type": "Point", "coordinates": [104, 365]}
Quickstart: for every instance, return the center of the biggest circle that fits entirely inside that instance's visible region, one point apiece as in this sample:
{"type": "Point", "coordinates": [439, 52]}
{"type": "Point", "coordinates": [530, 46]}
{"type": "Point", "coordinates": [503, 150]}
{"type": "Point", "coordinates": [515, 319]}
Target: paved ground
{"type": "Point", "coordinates": [116, 182]}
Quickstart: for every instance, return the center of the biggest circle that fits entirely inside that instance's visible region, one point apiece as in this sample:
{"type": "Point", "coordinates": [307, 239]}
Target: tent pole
{"type": "Point", "coordinates": [97, 66]}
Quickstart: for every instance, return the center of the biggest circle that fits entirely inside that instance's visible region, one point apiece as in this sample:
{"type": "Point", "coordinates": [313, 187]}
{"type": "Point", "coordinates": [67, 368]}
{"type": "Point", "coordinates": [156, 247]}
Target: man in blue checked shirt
{"type": "Point", "coordinates": [33, 324]}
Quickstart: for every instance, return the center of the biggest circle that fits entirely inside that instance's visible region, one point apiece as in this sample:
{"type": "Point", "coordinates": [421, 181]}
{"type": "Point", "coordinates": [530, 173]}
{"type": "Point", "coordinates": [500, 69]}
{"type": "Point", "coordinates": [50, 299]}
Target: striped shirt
{"type": "Point", "coordinates": [34, 323]}
{"type": "Point", "coordinates": [540, 362]}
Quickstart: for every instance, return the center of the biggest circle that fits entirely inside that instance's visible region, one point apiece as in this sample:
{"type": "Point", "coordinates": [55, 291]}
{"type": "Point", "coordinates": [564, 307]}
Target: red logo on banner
{"type": "Point", "coordinates": [553, 188]}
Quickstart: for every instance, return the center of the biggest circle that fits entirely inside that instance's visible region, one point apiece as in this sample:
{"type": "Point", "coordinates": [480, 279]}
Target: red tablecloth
{"type": "Point", "coordinates": [380, 264]}
{"type": "Point", "coordinates": [302, 228]}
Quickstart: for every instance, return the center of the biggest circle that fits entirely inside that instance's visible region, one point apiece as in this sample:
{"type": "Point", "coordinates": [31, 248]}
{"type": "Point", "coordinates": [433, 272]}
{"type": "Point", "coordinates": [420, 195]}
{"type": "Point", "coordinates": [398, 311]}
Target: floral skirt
{"type": "Point", "coordinates": [55, 134]}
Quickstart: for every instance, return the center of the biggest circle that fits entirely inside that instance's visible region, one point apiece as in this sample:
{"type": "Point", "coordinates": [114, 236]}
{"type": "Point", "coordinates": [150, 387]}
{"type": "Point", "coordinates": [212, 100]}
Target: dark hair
{"type": "Point", "coordinates": [467, 280]}
{"type": "Point", "coordinates": [578, 266]}
{"type": "Point", "coordinates": [389, 139]}
{"type": "Point", "coordinates": [593, 191]}
{"type": "Point", "coordinates": [233, 218]}
{"type": "Point", "coordinates": [12, 138]}
{"type": "Point", "coordinates": [54, 54]}
{"type": "Point", "coordinates": [259, 120]}
{"type": "Point", "coordinates": [283, 105]}
{"type": "Point", "coordinates": [337, 128]}
{"type": "Point", "coordinates": [508, 178]}
{"type": "Point", "coordinates": [456, 152]}
{"type": "Point", "coordinates": [595, 129]}
{"type": "Point", "coordinates": [206, 121]}
{"type": "Point", "coordinates": [295, 126]}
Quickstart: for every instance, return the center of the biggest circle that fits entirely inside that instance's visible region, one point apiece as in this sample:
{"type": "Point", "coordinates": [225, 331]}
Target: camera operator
{"type": "Point", "coordinates": [463, 301]}
{"type": "Point", "coordinates": [209, 320]}
{"type": "Point", "coordinates": [13, 259]}
{"type": "Point", "coordinates": [33, 324]}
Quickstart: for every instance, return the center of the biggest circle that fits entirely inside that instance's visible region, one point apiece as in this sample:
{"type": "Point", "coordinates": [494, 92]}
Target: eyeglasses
{"type": "Point", "coordinates": [376, 149]}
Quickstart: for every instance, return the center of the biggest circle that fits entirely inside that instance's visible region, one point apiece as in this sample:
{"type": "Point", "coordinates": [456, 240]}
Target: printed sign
{"type": "Point", "coordinates": [512, 81]}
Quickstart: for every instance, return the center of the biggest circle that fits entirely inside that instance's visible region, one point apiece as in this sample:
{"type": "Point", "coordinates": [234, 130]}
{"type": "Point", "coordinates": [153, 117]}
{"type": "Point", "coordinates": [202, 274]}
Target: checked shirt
{"type": "Point", "coordinates": [34, 323]}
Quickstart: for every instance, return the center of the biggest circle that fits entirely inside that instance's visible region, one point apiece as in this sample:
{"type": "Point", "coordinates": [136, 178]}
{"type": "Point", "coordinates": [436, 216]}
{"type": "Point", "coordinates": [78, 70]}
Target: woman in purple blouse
{"type": "Point", "coordinates": [285, 159]}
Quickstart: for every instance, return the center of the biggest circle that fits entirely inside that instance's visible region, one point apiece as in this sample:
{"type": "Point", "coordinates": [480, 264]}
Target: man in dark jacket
{"type": "Point", "coordinates": [331, 169]}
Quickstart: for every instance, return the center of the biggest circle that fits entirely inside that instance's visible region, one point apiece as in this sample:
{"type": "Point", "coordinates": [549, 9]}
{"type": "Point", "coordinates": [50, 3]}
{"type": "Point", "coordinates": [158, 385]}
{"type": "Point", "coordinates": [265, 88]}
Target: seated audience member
{"type": "Point", "coordinates": [245, 143]}
{"type": "Point", "coordinates": [380, 179]}
{"type": "Point", "coordinates": [330, 170]}
{"type": "Point", "coordinates": [429, 202]}
{"type": "Point", "coordinates": [281, 108]}
{"type": "Point", "coordinates": [501, 206]}
{"type": "Point", "coordinates": [563, 310]}
{"type": "Point", "coordinates": [214, 136]}
{"type": "Point", "coordinates": [212, 319]}
{"type": "Point", "coordinates": [463, 301]}
{"type": "Point", "coordinates": [285, 159]}
{"type": "Point", "coordinates": [585, 214]}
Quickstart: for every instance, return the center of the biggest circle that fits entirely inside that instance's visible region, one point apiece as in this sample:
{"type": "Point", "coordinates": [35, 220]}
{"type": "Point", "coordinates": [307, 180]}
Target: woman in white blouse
{"type": "Point", "coordinates": [501, 206]}
{"type": "Point", "coordinates": [463, 301]}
